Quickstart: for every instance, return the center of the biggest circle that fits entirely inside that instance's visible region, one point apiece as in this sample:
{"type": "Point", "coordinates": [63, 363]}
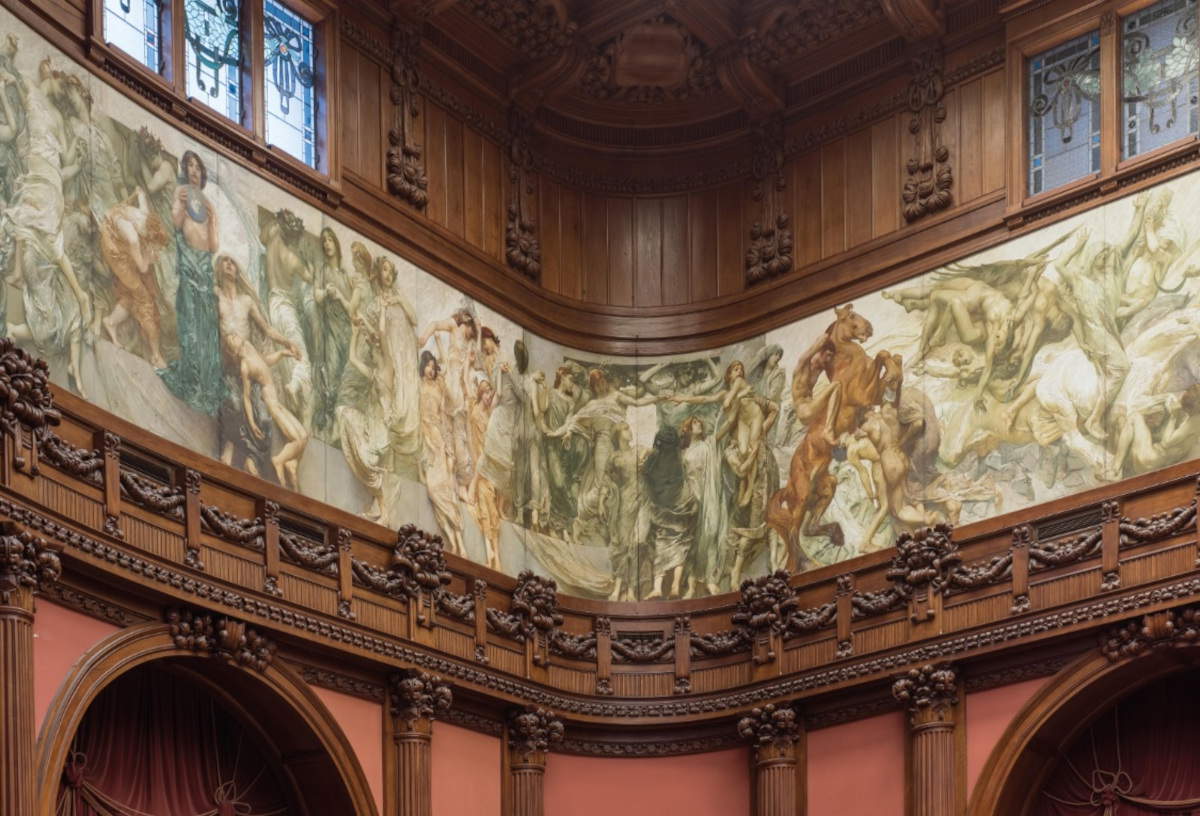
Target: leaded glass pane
{"type": "Point", "coordinates": [1160, 75]}
{"type": "Point", "coordinates": [133, 26]}
{"type": "Point", "coordinates": [1064, 113]}
{"type": "Point", "coordinates": [288, 77]}
{"type": "Point", "coordinates": [213, 53]}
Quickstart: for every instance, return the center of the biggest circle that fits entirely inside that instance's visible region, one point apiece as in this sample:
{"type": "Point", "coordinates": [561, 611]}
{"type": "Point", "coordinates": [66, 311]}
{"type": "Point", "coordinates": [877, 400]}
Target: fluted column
{"type": "Point", "coordinates": [25, 562]}
{"type": "Point", "coordinates": [930, 694]}
{"type": "Point", "coordinates": [774, 732]}
{"type": "Point", "coordinates": [416, 698]}
{"type": "Point", "coordinates": [531, 732]}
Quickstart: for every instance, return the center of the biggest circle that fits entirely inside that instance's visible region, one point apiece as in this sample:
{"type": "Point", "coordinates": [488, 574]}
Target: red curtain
{"type": "Point", "coordinates": [157, 743]}
{"type": "Point", "coordinates": [1141, 758]}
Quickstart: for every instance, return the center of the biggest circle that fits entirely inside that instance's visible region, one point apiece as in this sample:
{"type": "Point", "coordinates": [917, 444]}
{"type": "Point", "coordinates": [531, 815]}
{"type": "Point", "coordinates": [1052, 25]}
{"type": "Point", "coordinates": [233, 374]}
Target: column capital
{"type": "Point", "coordinates": [26, 562]}
{"type": "Point", "coordinates": [929, 693]}
{"type": "Point", "coordinates": [417, 696]}
{"type": "Point", "coordinates": [532, 730]}
{"type": "Point", "coordinates": [773, 730]}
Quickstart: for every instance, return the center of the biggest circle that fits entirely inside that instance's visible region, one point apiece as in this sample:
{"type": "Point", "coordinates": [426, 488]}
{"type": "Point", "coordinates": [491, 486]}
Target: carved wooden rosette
{"type": "Point", "coordinates": [530, 733]}
{"type": "Point", "coordinates": [405, 163]}
{"type": "Point", "coordinates": [26, 563]}
{"type": "Point", "coordinates": [415, 699]}
{"type": "Point", "coordinates": [928, 176]}
{"type": "Point", "coordinates": [775, 733]}
{"type": "Point", "coordinates": [772, 243]}
{"type": "Point", "coordinates": [930, 695]}
{"type": "Point", "coordinates": [522, 251]}
{"type": "Point", "coordinates": [221, 637]}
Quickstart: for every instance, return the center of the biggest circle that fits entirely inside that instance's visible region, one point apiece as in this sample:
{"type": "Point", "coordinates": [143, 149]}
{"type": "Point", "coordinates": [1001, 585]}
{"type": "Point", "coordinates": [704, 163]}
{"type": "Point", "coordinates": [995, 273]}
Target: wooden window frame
{"type": "Point", "coordinates": [1038, 30]}
{"type": "Point", "coordinates": [249, 135]}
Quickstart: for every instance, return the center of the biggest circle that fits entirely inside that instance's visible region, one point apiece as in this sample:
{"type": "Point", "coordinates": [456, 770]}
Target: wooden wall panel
{"type": "Point", "coordinates": [730, 237]}
{"type": "Point", "coordinates": [648, 239]}
{"type": "Point", "coordinates": [620, 251]}
{"type": "Point", "coordinates": [970, 157]}
{"type": "Point", "coordinates": [806, 206]}
{"type": "Point", "coordinates": [570, 250]}
{"type": "Point", "coordinates": [362, 127]}
{"type": "Point", "coordinates": [494, 208]}
{"type": "Point", "coordinates": [859, 204]}
{"type": "Point", "coordinates": [886, 170]}
{"type": "Point", "coordinates": [435, 161]}
{"type": "Point", "coordinates": [833, 197]}
{"type": "Point", "coordinates": [676, 272]}
{"type": "Point", "coordinates": [473, 189]}
{"type": "Point", "coordinates": [548, 234]}
{"type": "Point", "coordinates": [994, 123]}
{"type": "Point", "coordinates": [452, 166]}
{"type": "Point", "coordinates": [702, 242]}
{"type": "Point", "coordinates": [595, 250]}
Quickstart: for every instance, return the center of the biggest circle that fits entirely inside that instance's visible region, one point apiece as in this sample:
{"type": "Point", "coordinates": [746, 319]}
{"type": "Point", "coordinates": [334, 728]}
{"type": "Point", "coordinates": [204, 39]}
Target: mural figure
{"type": "Point", "coordinates": [437, 463]}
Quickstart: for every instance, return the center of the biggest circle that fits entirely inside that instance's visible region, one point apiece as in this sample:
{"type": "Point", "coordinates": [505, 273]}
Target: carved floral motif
{"type": "Point", "coordinates": [406, 177]}
{"type": "Point", "coordinates": [534, 608]}
{"type": "Point", "coordinates": [25, 396]}
{"type": "Point", "coordinates": [221, 637]}
{"type": "Point", "coordinates": [927, 691]}
{"type": "Point", "coordinates": [533, 28]}
{"type": "Point", "coordinates": [928, 174]}
{"type": "Point", "coordinates": [418, 695]}
{"type": "Point", "coordinates": [26, 561]}
{"type": "Point", "coordinates": [1172, 627]}
{"type": "Point", "coordinates": [770, 725]}
{"type": "Point", "coordinates": [600, 80]}
{"type": "Point", "coordinates": [533, 730]}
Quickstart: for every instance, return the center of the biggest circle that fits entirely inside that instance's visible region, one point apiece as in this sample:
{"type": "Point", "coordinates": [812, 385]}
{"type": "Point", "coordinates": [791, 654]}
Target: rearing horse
{"type": "Point", "coordinates": [797, 507]}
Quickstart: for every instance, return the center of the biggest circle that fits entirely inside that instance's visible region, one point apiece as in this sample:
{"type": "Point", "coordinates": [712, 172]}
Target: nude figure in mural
{"type": "Point", "coordinates": [239, 313]}
{"type": "Point", "coordinates": [287, 269]}
{"type": "Point", "coordinates": [815, 406]}
{"type": "Point", "coordinates": [437, 464]}
{"type": "Point", "coordinates": [196, 376]}
{"type": "Point", "coordinates": [132, 237]}
{"type": "Point", "coordinates": [1152, 246]}
{"type": "Point", "coordinates": [483, 499]}
{"type": "Point", "coordinates": [1157, 430]}
{"type": "Point", "coordinates": [53, 156]}
{"type": "Point", "coordinates": [457, 339]}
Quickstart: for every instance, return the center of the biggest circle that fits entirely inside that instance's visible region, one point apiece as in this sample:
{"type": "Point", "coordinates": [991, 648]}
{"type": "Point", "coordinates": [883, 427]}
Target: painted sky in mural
{"type": "Point", "coordinates": [173, 288]}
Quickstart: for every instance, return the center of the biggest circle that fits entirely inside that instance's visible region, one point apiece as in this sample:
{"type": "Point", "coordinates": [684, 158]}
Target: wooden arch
{"type": "Point", "coordinates": [296, 715]}
{"type": "Point", "coordinates": [1016, 769]}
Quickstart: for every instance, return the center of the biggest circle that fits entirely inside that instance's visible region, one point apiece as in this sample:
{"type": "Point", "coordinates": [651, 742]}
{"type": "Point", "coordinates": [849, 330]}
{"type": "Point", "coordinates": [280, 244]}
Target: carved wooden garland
{"type": "Point", "coordinates": [1166, 629]}
{"type": "Point", "coordinates": [221, 637]}
{"type": "Point", "coordinates": [26, 561]}
{"type": "Point", "coordinates": [928, 176]}
{"type": "Point", "coordinates": [771, 249]}
{"type": "Point", "coordinates": [417, 695]}
{"type": "Point", "coordinates": [522, 251]}
{"type": "Point", "coordinates": [532, 730]}
{"type": "Point", "coordinates": [534, 609]}
{"type": "Point", "coordinates": [405, 164]}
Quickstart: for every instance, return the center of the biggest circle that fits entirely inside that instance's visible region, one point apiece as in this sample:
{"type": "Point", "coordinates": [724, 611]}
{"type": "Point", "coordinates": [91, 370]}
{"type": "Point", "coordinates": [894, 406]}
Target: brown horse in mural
{"type": "Point", "coordinates": [798, 506]}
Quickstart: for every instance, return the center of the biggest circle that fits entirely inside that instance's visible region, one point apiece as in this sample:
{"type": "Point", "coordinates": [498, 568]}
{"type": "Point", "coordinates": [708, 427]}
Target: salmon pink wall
{"type": "Point", "coordinates": [857, 768]}
{"type": "Point", "coordinates": [60, 638]}
{"type": "Point", "coordinates": [714, 784]}
{"type": "Point", "coordinates": [362, 723]}
{"type": "Point", "coordinates": [988, 714]}
{"type": "Point", "coordinates": [466, 772]}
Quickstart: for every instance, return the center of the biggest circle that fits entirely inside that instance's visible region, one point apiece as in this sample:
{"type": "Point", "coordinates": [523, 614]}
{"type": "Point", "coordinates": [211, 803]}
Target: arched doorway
{"type": "Point", "coordinates": [143, 728]}
{"type": "Point", "coordinates": [1102, 739]}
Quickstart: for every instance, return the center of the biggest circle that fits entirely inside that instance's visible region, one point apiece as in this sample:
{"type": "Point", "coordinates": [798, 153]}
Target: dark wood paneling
{"type": "Point", "coordinates": [492, 183]}
{"type": "Point", "coordinates": [859, 204]}
{"type": "Point", "coordinates": [994, 121]}
{"type": "Point", "coordinates": [649, 237]}
{"type": "Point", "coordinates": [885, 176]}
{"type": "Point", "coordinates": [833, 197]}
{"type": "Point", "coordinates": [702, 234]}
{"type": "Point", "coordinates": [435, 162]}
{"type": "Point", "coordinates": [595, 250]}
{"type": "Point", "coordinates": [473, 181]}
{"type": "Point", "coordinates": [806, 206]}
{"type": "Point", "coordinates": [361, 119]}
{"type": "Point", "coordinates": [676, 272]}
{"type": "Point", "coordinates": [620, 251]}
{"type": "Point", "coordinates": [570, 225]}
{"type": "Point", "coordinates": [548, 235]}
{"type": "Point", "coordinates": [970, 157]}
{"type": "Point", "coordinates": [455, 182]}
{"type": "Point", "coordinates": [730, 255]}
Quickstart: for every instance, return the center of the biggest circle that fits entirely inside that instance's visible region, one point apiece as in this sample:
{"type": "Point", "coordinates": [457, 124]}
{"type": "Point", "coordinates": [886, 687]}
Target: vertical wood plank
{"type": "Point", "coordinates": [730, 255]}
{"type": "Point", "coordinates": [492, 170]}
{"type": "Point", "coordinates": [570, 223]}
{"type": "Point", "coordinates": [806, 207]}
{"type": "Point", "coordinates": [435, 162]}
{"type": "Point", "coordinates": [648, 254]}
{"type": "Point", "coordinates": [702, 234]}
{"type": "Point", "coordinates": [547, 233]}
{"type": "Point", "coordinates": [833, 198]}
{"type": "Point", "coordinates": [620, 251]}
{"type": "Point", "coordinates": [595, 249]}
{"type": "Point", "coordinates": [454, 175]}
{"type": "Point", "coordinates": [994, 122]}
{"type": "Point", "coordinates": [886, 169]}
{"type": "Point", "coordinates": [968, 173]}
{"type": "Point", "coordinates": [676, 272]}
{"type": "Point", "coordinates": [858, 180]}
{"type": "Point", "coordinates": [373, 121]}
{"type": "Point", "coordinates": [348, 94]}
{"type": "Point", "coordinates": [472, 187]}
{"type": "Point", "coordinates": [950, 138]}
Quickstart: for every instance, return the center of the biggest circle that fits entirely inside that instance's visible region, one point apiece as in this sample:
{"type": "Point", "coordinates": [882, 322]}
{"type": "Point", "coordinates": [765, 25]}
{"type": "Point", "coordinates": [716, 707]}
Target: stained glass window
{"type": "Point", "coordinates": [1161, 82]}
{"type": "Point", "coordinates": [133, 26]}
{"type": "Point", "coordinates": [213, 54]}
{"type": "Point", "coordinates": [1064, 113]}
{"type": "Point", "coordinates": [288, 76]}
